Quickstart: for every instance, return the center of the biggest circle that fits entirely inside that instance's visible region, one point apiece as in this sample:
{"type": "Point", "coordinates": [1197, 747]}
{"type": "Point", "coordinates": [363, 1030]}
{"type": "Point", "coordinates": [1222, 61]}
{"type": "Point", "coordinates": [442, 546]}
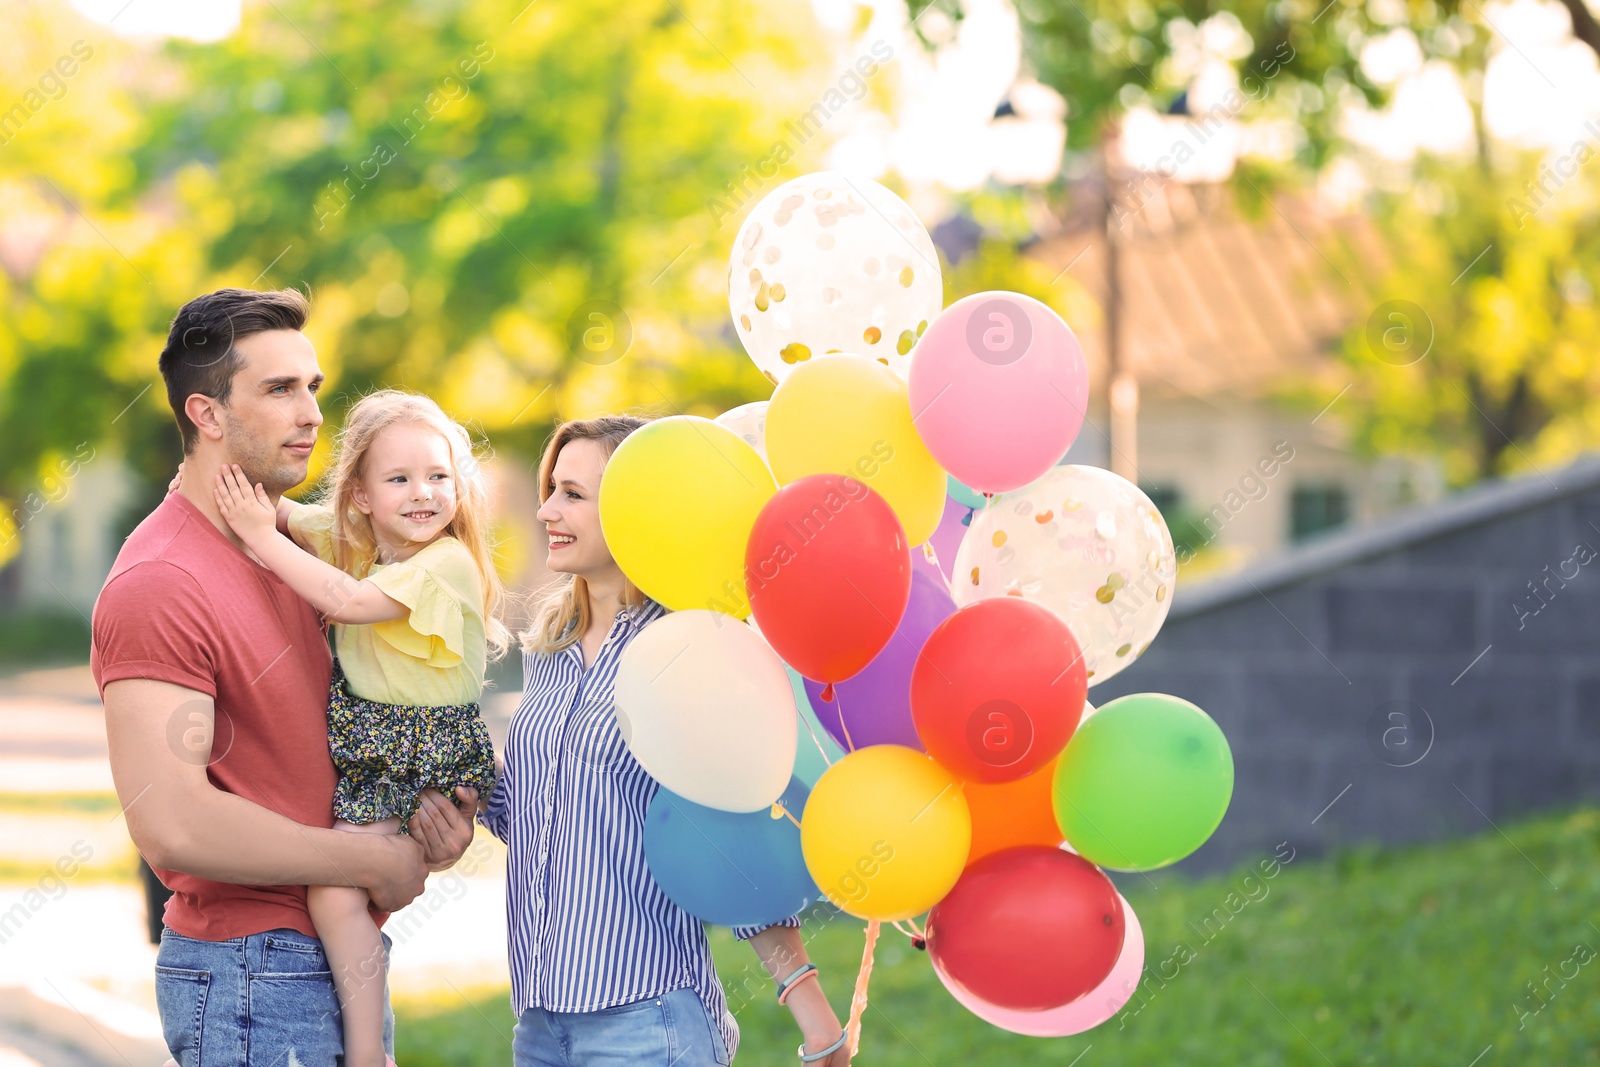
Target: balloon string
{"type": "Point", "coordinates": [933, 557]}
{"type": "Point", "coordinates": [858, 1002]}
{"type": "Point", "coordinates": [779, 811]}
{"type": "Point", "coordinates": [844, 725]}
{"type": "Point", "coordinates": [815, 740]}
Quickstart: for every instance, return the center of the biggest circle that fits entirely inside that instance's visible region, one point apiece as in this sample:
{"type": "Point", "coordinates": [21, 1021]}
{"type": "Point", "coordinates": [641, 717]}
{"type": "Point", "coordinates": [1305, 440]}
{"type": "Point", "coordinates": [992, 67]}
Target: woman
{"type": "Point", "coordinates": [605, 970]}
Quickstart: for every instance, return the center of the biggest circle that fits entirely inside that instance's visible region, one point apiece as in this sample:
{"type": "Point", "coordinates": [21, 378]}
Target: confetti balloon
{"type": "Point", "coordinates": [830, 263]}
{"type": "Point", "coordinates": [1084, 543]}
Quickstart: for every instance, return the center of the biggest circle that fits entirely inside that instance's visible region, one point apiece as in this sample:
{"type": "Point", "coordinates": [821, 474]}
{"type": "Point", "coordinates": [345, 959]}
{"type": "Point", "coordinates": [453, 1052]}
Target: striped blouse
{"type": "Point", "coordinates": [588, 926]}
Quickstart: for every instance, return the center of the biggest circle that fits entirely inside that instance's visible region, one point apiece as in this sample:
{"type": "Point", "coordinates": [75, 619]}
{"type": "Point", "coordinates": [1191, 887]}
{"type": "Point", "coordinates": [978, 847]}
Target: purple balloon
{"type": "Point", "coordinates": [874, 706]}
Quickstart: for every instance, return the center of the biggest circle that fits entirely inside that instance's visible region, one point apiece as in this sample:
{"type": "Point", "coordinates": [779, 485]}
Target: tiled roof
{"type": "Point", "coordinates": [1215, 302]}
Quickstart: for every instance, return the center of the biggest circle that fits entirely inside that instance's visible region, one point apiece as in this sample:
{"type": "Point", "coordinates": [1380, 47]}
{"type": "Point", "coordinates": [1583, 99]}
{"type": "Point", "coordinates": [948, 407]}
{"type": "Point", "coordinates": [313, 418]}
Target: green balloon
{"type": "Point", "coordinates": [1144, 781]}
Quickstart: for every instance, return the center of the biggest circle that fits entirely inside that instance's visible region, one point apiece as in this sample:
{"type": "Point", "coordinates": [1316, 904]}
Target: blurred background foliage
{"type": "Point", "coordinates": [453, 181]}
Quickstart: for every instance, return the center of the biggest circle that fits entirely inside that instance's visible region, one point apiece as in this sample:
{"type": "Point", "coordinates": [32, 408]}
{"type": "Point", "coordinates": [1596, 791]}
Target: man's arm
{"type": "Point", "coordinates": [160, 743]}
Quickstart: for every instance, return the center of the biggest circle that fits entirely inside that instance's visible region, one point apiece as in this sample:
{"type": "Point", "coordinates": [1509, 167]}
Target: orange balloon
{"type": "Point", "coordinates": [1008, 814]}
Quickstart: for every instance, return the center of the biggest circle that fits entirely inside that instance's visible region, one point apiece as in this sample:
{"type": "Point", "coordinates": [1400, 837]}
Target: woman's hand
{"type": "Point", "coordinates": [177, 481]}
{"type": "Point", "coordinates": [782, 950]}
{"type": "Point", "coordinates": [818, 1024]}
{"type": "Point", "coordinates": [840, 1056]}
{"type": "Point", "coordinates": [250, 512]}
{"type": "Point", "coordinates": [442, 828]}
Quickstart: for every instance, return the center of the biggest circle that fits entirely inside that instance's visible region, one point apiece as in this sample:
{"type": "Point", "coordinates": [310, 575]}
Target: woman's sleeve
{"type": "Point", "coordinates": [497, 819]}
{"type": "Point", "coordinates": [440, 590]}
{"type": "Point", "coordinates": [745, 933]}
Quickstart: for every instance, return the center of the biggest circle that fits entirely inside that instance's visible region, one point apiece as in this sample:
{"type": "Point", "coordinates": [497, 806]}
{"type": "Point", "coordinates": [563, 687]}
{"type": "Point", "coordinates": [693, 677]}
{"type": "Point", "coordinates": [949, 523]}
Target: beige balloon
{"type": "Point", "coordinates": [706, 708]}
{"type": "Point", "coordinates": [749, 421]}
{"type": "Point", "coordinates": [1084, 543]}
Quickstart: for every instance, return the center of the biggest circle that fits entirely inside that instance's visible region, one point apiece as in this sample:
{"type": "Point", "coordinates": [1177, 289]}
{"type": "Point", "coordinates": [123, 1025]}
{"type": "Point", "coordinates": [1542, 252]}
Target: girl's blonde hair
{"type": "Point", "coordinates": [353, 541]}
{"type": "Point", "coordinates": [561, 614]}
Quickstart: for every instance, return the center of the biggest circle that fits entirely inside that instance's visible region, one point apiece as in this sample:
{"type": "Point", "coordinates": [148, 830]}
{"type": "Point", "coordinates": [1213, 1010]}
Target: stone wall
{"type": "Point", "coordinates": [1432, 675]}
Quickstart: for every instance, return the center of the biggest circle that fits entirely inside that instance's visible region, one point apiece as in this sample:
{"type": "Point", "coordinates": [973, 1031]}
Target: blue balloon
{"type": "Point", "coordinates": [729, 868]}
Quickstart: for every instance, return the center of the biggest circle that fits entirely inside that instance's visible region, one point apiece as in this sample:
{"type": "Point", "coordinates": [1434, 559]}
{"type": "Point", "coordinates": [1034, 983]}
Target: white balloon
{"type": "Point", "coordinates": [707, 709]}
{"type": "Point", "coordinates": [749, 421]}
{"type": "Point", "coordinates": [832, 263]}
{"type": "Point", "coordinates": [1084, 543]}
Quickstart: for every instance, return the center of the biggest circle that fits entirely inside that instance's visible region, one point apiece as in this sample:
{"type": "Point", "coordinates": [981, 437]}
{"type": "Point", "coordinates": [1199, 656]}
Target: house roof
{"type": "Point", "coordinates": [1481, 504]}
{"type": "Point", "coordinates": [1216, 302]}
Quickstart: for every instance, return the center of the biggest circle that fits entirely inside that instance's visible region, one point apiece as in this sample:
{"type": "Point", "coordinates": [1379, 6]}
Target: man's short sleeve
{"type": "Point", "coordinates": [153, 621]}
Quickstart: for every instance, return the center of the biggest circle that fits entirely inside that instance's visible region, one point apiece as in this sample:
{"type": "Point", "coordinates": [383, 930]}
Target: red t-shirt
{"type": "Point", "coordinates": [184, 605]}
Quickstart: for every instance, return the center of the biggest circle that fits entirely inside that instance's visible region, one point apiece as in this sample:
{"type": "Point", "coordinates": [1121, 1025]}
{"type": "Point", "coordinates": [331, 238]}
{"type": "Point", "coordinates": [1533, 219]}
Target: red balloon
{"type": "Point", "coordinates": [998, 689]}
{"type": "Point", "coordinates": [829, 574]}
{"type": "Point", "coordinates": [1029, 928]}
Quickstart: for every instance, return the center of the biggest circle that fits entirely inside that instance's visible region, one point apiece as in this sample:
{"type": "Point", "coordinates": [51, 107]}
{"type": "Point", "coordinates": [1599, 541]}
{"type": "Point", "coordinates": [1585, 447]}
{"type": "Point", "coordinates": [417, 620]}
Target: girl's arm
{"type": "Point", "coordinates": [285, 509]}
{"type": "Point", "coordinates": [286, 506]}
{"type": "Point", "coordinates": [325, 587]}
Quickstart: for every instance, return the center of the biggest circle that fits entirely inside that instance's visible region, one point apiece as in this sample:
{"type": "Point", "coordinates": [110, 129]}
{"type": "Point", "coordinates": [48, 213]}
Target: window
{"type": "Point", "coordinates": [1189, 534]}
{"type": "Point", "coordinates": [1166, 498]}
{"type": "Point", "coordinates": [1315, 508]}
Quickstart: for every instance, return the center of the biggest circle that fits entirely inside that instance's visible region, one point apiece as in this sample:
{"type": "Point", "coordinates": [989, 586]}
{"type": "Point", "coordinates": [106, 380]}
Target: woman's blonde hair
{"type": "Point", "coordinates": [561, 614]}
{"type": "Point", "coordinates": [353, 541]}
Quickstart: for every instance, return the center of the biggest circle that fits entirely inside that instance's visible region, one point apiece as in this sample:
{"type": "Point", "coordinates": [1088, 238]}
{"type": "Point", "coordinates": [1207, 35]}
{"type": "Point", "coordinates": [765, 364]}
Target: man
{"type": "Point", "coordinates": [215, 679]}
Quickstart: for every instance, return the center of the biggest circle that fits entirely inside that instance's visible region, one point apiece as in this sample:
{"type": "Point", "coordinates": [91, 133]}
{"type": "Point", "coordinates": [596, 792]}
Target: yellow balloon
{"type": "Point", "coordinates": [851, 415]}
{"type": "Point", "coordinates": [885, 833]}
{"type": "Point", "coordinates": [677, 503]}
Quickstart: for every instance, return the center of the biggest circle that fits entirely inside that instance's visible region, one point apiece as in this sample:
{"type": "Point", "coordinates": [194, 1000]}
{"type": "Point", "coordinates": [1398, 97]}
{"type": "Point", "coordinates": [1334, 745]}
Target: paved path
{"type": "Point", "coordinates": [21, 1047]}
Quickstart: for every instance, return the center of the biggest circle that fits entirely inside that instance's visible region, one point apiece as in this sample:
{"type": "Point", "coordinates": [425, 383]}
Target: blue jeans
{"type": "Point", "coordinates": [672, 1030]}
{"type": "Point", "coordinates": [266, 1000]}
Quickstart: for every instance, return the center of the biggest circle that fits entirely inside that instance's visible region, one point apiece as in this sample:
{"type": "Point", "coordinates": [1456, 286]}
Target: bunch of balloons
{"type": "Point", "coordinates": [891, 554]}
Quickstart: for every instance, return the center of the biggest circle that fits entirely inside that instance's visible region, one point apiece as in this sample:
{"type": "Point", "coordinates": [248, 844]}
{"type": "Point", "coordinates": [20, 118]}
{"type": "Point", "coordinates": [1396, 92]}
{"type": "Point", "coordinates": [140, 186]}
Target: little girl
{"type": "Point", "coordinates": [401, 561]}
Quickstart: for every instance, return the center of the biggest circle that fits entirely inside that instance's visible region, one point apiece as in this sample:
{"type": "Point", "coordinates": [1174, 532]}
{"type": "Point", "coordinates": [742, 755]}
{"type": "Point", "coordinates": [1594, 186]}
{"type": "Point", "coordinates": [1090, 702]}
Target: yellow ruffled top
{"type": "Point", "coordinates": [434, 656]}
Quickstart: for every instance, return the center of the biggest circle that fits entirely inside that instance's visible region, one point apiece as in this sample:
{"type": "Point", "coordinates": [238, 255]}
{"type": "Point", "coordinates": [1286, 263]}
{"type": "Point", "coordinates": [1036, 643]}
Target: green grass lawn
{"type": "Point", "coordinates": [1419, 956]}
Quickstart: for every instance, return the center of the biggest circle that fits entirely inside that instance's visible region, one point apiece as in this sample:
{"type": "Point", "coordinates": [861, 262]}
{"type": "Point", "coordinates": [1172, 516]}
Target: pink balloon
{"type": "Point", "coordinates": [998, 390]}
{"type": "Point", "coordinates": [1087, 1012]}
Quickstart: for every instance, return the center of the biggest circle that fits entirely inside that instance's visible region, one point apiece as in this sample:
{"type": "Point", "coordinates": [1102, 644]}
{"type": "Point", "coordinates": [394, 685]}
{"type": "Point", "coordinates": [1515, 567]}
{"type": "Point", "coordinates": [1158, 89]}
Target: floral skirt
{"type": "Point", "coordinates": [387, 754]}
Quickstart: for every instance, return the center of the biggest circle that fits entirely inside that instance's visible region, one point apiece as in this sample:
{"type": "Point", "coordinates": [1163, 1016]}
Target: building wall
{"type": "Point", "coordinates": [69, 544]}
{"type": "Point", "coordinates": [1214, 453]}
{"type": "Point", "coordinates": [1396, 687]}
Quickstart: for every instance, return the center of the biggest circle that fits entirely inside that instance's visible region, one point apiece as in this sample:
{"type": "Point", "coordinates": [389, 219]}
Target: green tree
{"type": "Point", "coordinates": [511, 206]}
{"type": "Point", "coordinates": [502, 205]}
{"type": "Point", "coordinates": [1481, 349]}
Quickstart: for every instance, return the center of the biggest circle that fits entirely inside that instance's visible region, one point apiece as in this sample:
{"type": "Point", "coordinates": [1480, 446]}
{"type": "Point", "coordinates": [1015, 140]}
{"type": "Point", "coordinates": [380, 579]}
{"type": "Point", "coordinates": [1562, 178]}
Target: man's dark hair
{"type": "Point", "coordinates": [200, 356]}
